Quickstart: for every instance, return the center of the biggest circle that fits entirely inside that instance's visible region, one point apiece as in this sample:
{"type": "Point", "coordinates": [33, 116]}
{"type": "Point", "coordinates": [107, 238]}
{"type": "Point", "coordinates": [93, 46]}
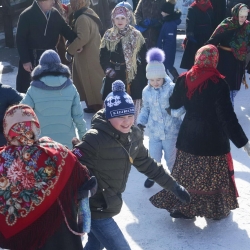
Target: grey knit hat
{"type": "Point", "coordinates": [50, 64]}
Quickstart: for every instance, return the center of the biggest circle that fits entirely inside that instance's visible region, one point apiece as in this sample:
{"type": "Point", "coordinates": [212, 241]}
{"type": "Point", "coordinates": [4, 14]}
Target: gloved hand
{"type": "Point", "coordinates": [247, 148]}
{"type": "Point", "coordinates": [168, 110]}
{"type": "Point", "coordinates": [68, 57]}
{"type": "Point", "coordinates": [110, 72]}
{"type": "Point", "coordinates": [88, 189]}
{"type": "Point", "coordinates": [181, 193]}
{"type": "Point", "coordinates": [141, 127]}
{"type": "Point", "coordinates": [145, 23]}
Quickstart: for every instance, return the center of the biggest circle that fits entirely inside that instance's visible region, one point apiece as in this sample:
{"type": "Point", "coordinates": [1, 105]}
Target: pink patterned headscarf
{"type": "Point", "coordinates": [120, 11]}
{"type": "Point", "coordinates": [21, 125]}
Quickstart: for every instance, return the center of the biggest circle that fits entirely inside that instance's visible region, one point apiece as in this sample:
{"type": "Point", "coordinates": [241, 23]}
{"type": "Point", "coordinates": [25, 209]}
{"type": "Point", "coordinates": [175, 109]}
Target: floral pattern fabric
{"type": "Point", "coordinates": [208, 180]}
{"type": "Point", "coordinates": [28, 178]}
{"type": "Point", "coordinates": [241, 37]}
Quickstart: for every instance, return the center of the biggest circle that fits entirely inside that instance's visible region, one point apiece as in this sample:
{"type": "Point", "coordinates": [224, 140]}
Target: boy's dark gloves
{"type": "Point", "coordinates": [141, 127]}
{"type": "Point", "coordinates": [181, 193]}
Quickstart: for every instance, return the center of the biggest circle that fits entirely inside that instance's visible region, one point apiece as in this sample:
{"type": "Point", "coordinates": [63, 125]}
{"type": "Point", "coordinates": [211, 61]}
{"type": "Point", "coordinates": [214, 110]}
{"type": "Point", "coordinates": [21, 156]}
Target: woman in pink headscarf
{"type": "Point", "coordinates": [203, 162]}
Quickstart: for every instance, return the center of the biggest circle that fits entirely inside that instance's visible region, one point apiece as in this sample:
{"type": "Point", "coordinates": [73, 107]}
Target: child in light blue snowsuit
{"type": "Point", "coordinates": [162, 127]}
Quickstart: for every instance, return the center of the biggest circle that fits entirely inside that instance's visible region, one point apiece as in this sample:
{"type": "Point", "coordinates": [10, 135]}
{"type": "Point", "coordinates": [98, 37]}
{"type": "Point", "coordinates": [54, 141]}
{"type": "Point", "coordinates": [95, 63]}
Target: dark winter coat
{"type": "Point", "coordinates": [199, 28]}
{"type": "Point", "coordinates": [140, 80]}
{"type": "Point", "coordinates": [220, 9]}
{"type": "Point", "coordinates": [167, 38]}
{"type": "Point", "coordinates": [102, 10]}
{"type": "Point", "coordinates": [150, 9]}
{"type": "Point", "coordinates": [35, 34]}
{"type": "Point", "coordinates": [210, 120]}
{"type": "Point", "coordinates": [109, 162]}
{"type": "Point", "coordinates": [234, 70]}
{"type": "Point", "coordinates": [8, 97]}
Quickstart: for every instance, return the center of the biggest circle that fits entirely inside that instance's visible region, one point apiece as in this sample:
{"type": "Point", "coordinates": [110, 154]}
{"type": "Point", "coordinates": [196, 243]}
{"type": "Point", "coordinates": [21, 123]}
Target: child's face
{"type": "Point", "coordinates": [164, 14]}
{"type": "Point", "coordinates": [156, 82]}
{"type": "Point", "coordinates": [120, 22]}
{"type": "Point", "coordinates": [123, 123]}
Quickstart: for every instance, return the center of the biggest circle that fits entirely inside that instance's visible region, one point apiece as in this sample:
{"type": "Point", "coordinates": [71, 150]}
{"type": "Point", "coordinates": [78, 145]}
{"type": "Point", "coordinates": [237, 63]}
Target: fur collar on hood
{"type": "Point", "coordinates": [53, 69]}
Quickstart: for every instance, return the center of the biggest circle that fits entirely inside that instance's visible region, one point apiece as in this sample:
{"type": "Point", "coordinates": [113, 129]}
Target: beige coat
{"type": "Point", "coordinates": [87, 71]}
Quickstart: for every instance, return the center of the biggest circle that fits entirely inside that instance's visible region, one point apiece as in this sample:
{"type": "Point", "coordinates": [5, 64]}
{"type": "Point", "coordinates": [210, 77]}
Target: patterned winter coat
{"type": "Point", "coordinates": [153, 114]}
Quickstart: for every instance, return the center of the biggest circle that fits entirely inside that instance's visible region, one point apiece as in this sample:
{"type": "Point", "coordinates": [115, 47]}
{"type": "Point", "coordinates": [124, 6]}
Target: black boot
{"type": "Point", "coordinates": [148, 183]}
{"type": "Point", "coordinates": [174, 73]}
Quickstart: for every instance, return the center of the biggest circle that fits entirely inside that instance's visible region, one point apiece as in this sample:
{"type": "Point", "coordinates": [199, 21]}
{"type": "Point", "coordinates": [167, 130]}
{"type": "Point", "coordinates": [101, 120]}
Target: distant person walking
{"type": "Point", "coordinates": [148, 16]}
{"type": "Point", "coordinates": [38, 29]}
{"type": "Point", "coordinates": [199, 27]}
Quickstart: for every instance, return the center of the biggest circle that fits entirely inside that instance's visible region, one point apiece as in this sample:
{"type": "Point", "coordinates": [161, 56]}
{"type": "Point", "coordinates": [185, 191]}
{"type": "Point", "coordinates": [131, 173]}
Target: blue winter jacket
{"type": "Point", "coordinates": [57, 105]}
{"type": "Point", "coordinates": [167, 40]}
{"type": "Point", "coordinates": [8, 97]}
{"type": "Point", "coordinates": [159, 123]}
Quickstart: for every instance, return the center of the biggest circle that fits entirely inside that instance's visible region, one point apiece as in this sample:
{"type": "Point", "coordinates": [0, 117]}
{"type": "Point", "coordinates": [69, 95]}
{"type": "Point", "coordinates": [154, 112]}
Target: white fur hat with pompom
{"type": "Point", "coordinates": [155, 68]}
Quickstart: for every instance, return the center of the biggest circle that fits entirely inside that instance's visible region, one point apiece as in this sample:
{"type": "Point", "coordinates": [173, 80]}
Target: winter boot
{"type": "Point", "coordinates": [174, 73]}
{"type": "Point", "coordinates": [148, 183]}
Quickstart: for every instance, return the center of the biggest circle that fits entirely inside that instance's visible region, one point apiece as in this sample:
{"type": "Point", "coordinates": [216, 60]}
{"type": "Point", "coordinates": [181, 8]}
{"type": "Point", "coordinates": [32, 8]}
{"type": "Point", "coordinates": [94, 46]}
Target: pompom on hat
{"type": "Point", "coordinates": [155, 68]}
{"type": "Point", "coordinates": [118, 102]}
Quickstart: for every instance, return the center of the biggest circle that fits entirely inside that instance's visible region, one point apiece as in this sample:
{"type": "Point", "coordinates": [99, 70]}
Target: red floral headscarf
{"type": "Point", "coordinates": [206, 60]}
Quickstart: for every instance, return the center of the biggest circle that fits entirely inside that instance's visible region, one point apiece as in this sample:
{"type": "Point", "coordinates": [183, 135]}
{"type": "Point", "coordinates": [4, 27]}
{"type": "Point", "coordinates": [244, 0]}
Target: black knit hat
{"type": "Point", "coordinates": [168, 7]}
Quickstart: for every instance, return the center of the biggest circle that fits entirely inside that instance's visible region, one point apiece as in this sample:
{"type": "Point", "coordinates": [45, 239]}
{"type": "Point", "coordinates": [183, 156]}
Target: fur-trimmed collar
{"type": "Point", "coordinates": [53, 69]}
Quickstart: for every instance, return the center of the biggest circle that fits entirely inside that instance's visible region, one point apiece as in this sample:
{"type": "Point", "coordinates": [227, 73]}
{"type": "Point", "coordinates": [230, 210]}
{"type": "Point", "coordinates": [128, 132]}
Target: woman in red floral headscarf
{"type": "Point", "coordinates": [203, 162]}
{"type": "Point", "coordinates": [39, 184]}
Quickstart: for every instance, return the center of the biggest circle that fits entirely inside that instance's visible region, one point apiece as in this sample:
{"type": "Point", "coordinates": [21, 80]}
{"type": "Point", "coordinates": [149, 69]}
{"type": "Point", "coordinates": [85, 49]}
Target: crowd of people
{"type": "Point", "coordinates": [118, 57]}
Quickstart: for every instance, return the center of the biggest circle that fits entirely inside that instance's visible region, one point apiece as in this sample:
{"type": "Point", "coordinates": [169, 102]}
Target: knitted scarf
{"type": "Point", "coordinates": [38, 178]}
{"type": "Point", "coordinates": [204, 68]}
{"type": "Point", "coordinates": [241, 37]}
{"type": "Point", "coordinates": [132, 41]}
{"type": "Point", "coordinates": [203, 5]}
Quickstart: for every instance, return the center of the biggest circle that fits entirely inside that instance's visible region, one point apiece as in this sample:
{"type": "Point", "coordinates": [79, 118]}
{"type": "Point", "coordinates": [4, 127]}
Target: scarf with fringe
{"type": "Point", "coordinates": [132, 41]}
{"type": "Point", "coordinates": [38, 180]}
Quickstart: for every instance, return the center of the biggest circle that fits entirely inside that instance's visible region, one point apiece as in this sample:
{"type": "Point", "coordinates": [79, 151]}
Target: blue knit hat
{"type": "Point", "coordinates": [118, 102]}
{"type": "Point", "coordinates": [50, 64]}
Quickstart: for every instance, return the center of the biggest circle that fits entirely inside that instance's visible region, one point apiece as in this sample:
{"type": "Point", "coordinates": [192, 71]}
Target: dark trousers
{"type": "Point", "coordinates": [23, 79]}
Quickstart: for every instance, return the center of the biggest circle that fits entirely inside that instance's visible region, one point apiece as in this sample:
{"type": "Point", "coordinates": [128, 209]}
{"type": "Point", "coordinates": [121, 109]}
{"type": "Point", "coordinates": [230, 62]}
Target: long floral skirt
{"type": "Point", "coordinates": [210, 182]}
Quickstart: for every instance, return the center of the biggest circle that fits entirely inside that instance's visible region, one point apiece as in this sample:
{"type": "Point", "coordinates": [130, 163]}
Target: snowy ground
{"type": "Point", "coordinates": [146, 227]}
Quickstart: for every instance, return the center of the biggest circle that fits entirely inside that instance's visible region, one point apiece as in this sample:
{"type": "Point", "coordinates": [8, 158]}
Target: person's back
{"type": "Point", "coordinates": [167, 37]}
{"type": "Point", "coordinates": [55, 101]}
{"type": "Point", "coordinates": [210, 121]}
{"type": "Point", "coordinates": [8, 97]}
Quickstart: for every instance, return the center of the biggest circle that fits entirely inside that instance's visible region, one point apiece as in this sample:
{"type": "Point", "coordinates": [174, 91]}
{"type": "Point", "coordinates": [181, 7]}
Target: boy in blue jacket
{"type": "Point", "coordinates": [167, 37]}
